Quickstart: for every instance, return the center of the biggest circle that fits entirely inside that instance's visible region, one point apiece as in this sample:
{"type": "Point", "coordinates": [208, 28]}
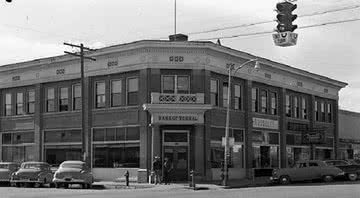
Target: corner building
{"type": "Point", "coordinates": [166, 98]}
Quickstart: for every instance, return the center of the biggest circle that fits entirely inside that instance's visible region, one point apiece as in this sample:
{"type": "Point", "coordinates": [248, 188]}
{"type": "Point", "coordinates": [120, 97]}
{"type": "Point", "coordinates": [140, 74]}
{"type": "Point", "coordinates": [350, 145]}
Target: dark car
{"type": "Point", "coordinates": [352, 171]}
{"type": "Point", "coordinates": [306, 170]}
{"type": "Point", "coordinates": [32, 173]}
{"type": "Point", "coordinates": [73, 172]}
{"type": "Point", "coordinates": [6, 170]}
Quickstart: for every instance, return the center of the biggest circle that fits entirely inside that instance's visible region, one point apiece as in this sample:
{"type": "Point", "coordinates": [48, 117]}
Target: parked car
{"type": "Point", "coordinates": [352, 171]}
{"type": "Point", "coordinates": [306, 170]}
{"type": "Point", "coordinates": [32, 173]}
{"type": "Point", "coordinates": [6, 170]}
{"type": "Point", "coordinates": [73, 172]}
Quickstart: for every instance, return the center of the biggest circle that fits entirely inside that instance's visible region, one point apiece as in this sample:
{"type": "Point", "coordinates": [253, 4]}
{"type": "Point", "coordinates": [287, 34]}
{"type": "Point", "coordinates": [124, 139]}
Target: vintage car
{"type": "Point", "coordinates": [73, 172]}
{"type": "Point", "coordinates": [33, 174]}
{"type": "Point", "coordinates": [306, 170]}
{"type": "Point", "coordinates": [6, 170]}
{"type": "Point", "coordinates": [352, 171]}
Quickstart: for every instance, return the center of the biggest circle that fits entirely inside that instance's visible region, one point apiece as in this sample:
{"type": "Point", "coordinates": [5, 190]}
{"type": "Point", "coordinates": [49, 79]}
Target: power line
{"type": "Point", "coordinates": [267, 32]}
{"type": "Point", "coordinates": [271, 21]}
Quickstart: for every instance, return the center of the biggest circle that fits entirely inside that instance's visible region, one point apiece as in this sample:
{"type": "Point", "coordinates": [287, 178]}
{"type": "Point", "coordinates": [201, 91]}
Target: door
{"type": "Point", "coordinates": [176, 149]}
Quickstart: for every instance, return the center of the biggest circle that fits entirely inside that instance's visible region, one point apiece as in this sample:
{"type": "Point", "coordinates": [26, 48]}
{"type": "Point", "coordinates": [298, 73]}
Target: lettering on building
{"type": "Point", "coordinates": [15, 78]}
{"type": "Point", "coordinates": [292, 126]}
{"type": "Point", "coordinates": [176, 58]}
{"type": "Point", "coordinates": [265, 123]}
{"type": "Point", "coordinates": [112, 63]}
{"type": "Point", "coordinates": [177, 118]}
{"type": "Point", "coordinates": [60, 71]}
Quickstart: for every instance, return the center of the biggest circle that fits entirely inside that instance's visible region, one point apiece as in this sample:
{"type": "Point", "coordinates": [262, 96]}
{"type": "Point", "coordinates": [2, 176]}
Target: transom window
{"type": "Point", "coordinates": [175, 84]}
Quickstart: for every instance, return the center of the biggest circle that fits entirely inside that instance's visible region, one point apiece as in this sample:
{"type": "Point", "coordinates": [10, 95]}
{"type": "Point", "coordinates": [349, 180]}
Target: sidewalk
{"type": "Point", "coordinates": [240, 183]}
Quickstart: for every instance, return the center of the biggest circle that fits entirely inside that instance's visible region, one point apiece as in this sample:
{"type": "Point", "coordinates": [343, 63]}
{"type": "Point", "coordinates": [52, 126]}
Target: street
{"type": "Point", "coordinates": [316, 190]}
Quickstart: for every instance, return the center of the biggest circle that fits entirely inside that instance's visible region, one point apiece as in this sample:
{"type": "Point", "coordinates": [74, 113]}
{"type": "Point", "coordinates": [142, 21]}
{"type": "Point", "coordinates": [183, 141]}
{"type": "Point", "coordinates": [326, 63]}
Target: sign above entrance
{"type": "Point", "coordinates": [265, 123]}
{"type": "Point", "coordinates": [177, 118]}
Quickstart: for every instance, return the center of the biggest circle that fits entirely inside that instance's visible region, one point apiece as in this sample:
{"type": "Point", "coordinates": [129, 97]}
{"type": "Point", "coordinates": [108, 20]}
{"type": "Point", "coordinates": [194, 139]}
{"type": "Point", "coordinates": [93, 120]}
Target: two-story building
{"type": "Point", "coordinates": [166, 98]}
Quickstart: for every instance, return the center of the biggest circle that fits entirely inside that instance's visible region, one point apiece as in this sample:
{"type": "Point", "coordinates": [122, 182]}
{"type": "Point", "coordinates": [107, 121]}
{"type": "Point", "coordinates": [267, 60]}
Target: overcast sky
{"type": "Point", "coordinates": [31, 29]}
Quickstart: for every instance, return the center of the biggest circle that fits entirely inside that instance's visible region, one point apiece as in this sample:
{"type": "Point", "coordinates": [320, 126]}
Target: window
{"type": "Point", "coordinates": [225, 94]}
{"type": "Point", "coordinates": [175, 84]}
{"type": "Point", "coordinates": [31, 101]}
{"type": "Point", "coordinates": [329, 115]}
{"type": "Point", "coordinates": [61, 136]}
{"type": "Point", "coordinates": [255, 99]}
{"type": "Point", "coordinates": [116, 93]}
{"type": "Point", "coordinates": [313, 164]}
{"type": "Point", "coordinates": [237, 97]}
{"type": "Point", "coordinates": [264, 97]}
{"type": "Point", "coordinates": [322, 109]}
{"type": "Point", "coordinates": [183, 84]}
{"type": "Point", "coordinates": [100, 95]}
{"type": "Point", "coordinates": [303, 108]}
{"type": "Point", "coordinates": [18, 147]}
{"type": "Point", "coordinates": [316, 111]}
{"type": "Point", "coordinates": [168, 84]}
{"type": "Point", "coordinates": [296, 107]}
{"type": "Point", "coordinates": [64, 99]}
{"type": "Point", "coordinates": [8, 104]}
{"type": "Point", "coordinates": [133, 88]}
{"type": "Point", "coordinates": [288, 106]}
{"type": "Point", "coordinates": [214, 92]}
{"type": "Point", "coordinates": [76, 103]}
{"type": "Point", "coordinates": [19, 103]}
{"type": "Point", "coordinates": [50, 99]}
{"type": "Point", "coordinates": [273, 103]}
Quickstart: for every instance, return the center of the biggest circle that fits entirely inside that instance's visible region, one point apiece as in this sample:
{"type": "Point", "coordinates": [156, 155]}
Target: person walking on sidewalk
{"type": "Point", "coordinates": [167, 169]}
{"type": "Point", "coordinates": [157, 170]}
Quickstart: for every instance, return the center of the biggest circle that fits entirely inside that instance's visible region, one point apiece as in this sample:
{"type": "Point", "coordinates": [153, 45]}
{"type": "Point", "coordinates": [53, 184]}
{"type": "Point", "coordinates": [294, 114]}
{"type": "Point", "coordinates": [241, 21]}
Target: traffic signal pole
{"type": "Point", "coordinates": [85, 149]}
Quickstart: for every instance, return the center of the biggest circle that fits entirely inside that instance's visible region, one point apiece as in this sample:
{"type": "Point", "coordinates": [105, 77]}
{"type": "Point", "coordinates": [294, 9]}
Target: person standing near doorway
{"type": "Point", "coordinates": [167, 169]}
{"type": "Point", "coordinates": [157, 170]}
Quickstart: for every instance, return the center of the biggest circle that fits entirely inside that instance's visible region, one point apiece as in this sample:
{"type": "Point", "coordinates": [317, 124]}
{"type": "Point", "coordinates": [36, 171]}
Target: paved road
{"type": "Point", "coordinates": [292, 191]}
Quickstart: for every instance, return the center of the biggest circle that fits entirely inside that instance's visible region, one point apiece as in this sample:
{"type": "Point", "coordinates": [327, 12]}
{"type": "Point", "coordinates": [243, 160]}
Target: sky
{"type": "Point", "coordinates": [32, 29]}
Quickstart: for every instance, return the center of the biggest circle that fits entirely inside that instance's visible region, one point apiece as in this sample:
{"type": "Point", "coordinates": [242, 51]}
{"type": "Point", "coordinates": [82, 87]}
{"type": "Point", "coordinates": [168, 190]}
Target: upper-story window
{"type": "Point", "coordinates": [30, 101]}
{"type": "Point", "coordinates": [287, 106]}
{"type": "Point", "coordinates": [8, 104]}
{"type": "Point", "coordinates": [76, 94]}
{"type": "Point", "coordinates": [116, 93]}
{"type": "Point", "coordinates": [64, 99]}
{"type": "Point", "coordinates": [329, 114]}
{"type": "Point", "coordinates": [255, 99]}
{"type": "Point", "coordinates": [214, 92]}
{"type": "Point", "coordinates": [100, 94]}
{"type": "Point", "coordinates": [303, 108]}
{"type": "Point", "coordinates": [225, 94]}
{"type": "Point", "coordinates": [273, 103]}
{"type": "Point", "coordinates": [175, 84]}
{"type": "Point", "coordinates": [237, 97]}
{"type": "Point", "coordinates": [19, 103]}
{"type": "Point", "coordinates": [50, 99]}
{"type": "Point", "coordinates": [264, 99]}
{"type": "Point", "coordinates": [316, 109]}
{"type": "Point", "coordinates": [296, 107]}
{"type": "Point", "coordinates": [132, 91]}
{"type": "Point", "coordinates": [322, 109]}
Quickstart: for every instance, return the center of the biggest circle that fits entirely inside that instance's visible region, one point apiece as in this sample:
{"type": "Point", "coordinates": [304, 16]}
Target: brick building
{"type": "Point", "coordinates": [166, 98]}
{"type": "Point", "coordinates": [349, 135]}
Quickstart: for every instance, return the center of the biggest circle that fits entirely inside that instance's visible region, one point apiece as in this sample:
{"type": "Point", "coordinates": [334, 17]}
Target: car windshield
{"type": "Point", "coordinates": [5, 166]}
{"type": "Point", "coordinates": [32, 166]}
{"type": "Point", "coordinates": [72, 165]}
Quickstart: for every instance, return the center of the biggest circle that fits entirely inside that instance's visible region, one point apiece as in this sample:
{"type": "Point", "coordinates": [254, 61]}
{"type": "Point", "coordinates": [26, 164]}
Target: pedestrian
{"type": "Point", "coordinates": [157, 170]}
{"type": "Point", "coordinates": [167, 169]}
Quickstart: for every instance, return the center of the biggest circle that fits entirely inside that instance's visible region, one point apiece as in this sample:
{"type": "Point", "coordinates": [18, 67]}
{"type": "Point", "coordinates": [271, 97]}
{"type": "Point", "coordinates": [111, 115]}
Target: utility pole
{"type": "Point", "coordinates": [80, 54]}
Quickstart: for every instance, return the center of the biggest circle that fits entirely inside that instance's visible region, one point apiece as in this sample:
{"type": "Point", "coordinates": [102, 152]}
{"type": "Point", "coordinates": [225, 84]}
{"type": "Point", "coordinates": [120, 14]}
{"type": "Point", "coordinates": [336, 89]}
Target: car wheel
{"type": "Point", "coordinates": [284, 180]}
{"type": "Point", "coordinates": [328, 178]}
{"type": "Point", "coordinates": [352, 176]}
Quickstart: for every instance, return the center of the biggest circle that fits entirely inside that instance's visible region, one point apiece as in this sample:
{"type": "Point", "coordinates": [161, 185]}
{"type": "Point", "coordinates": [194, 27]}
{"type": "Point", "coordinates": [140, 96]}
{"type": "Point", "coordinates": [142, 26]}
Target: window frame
{"type": "Point", "coordinates": [67, 103]}
{"type": "Point", "coordinates": [30, 102]}
{"type": "Point", "coordinates": [225, 88]}
{"type": "Point", "coordinates": [121, 93]}
{"type": "Point", "coordinates": [19, 104]}
{"type": "Point", "coordinates": [74, 98]}
{"type": "Point", "coordinates": [8, 110]}
{"type": "Point", "coordinates": [237, 99]}
{"type": "Point", "coordinates": [255, 101]}
{"type": "Point", "coordinates": [273, 106]}
{"type": "Point", "coordinates": [102, 94]}
{"type": "Point", "coordinates": [50, 100]}
{"type": "Point", "coordinates": [128, 91]}
{"type": "Point", "coordinates": [216, 94]}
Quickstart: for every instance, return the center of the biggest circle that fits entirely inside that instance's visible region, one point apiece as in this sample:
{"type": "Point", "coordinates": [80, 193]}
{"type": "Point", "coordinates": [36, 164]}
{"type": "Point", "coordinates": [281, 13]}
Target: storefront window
{"type": "Point", "coordinates": [18, 147]}
{"type": "Point", "coordinates": [62, 136]}
{"type": "Point", "coordinates": [214, 92]}
{"type": "Point", "coordinates": [116, 147]}
{"type": "Point", "coordinates": [295, 154]}
{"type": "Point", "coordinates": [266, 149]}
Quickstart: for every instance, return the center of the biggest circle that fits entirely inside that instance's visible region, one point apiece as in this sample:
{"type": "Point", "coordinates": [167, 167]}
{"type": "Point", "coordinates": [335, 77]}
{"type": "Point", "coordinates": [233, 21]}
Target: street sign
{"type": "Point", "coordinates": [285, 39]}
{"type": "Point", "coordinates": [231, 141]}
{"type": "Point", "coordinates": [316, 137]}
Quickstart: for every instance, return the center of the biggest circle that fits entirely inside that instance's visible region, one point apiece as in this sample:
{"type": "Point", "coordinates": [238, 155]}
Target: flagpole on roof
{"type": "Point", "coordinates": [175, 17]}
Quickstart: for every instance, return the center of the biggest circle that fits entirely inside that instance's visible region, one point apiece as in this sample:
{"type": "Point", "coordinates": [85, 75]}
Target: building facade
{"type": "Point", "coordinates": [349, 135]}
{"type": "Point", "coordinates": [166, 98]}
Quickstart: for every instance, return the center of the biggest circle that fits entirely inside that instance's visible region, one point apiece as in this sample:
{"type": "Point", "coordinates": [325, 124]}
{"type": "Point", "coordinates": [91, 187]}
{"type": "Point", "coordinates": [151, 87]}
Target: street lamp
{"type": "Point", "coordinates": [230, 68]}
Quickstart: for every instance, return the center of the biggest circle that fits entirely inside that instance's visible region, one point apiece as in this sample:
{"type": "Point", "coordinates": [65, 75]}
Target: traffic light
{"type": "Point", "coordinates": [285, 17]}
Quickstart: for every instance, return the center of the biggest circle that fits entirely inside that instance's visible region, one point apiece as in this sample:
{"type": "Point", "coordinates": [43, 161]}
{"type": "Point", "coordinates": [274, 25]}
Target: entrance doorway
{"type": "Point", "coordinates": [176, 149]}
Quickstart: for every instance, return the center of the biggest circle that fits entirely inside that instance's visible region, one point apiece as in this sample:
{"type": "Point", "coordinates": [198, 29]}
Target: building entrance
{"type": "Point", "coordinates": [176, 149]}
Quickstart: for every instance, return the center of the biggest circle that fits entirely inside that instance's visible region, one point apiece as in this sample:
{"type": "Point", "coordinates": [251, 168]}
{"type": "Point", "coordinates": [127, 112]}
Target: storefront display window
{"type": "Point", "coordinates": [266, 149]}
{"type": "Point", "coordinates": [18, 147]}
{"type": "Point", "coordinates": [116, 147]}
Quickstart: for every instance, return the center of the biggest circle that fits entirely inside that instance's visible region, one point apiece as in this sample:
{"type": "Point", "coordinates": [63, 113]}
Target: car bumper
{"type": "Point", "coordinates": [70, 181]}
{"type": "Point", "coordinates": [26, 181]}
{"type": "Point", "coordinates": [274, 179]}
